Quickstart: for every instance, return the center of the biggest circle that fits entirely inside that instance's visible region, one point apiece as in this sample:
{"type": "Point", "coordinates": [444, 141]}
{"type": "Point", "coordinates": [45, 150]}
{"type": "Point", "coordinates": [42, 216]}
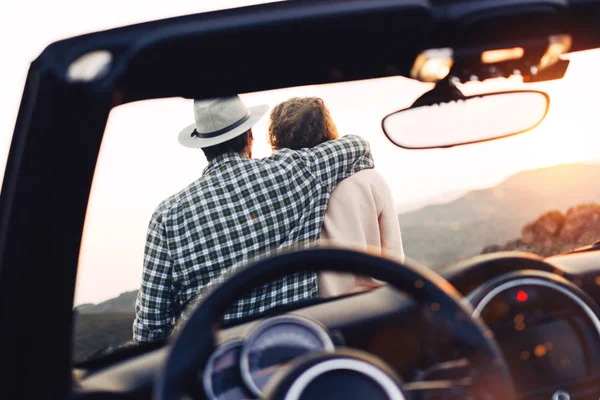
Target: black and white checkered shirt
{"type": "Point", "coordinates": [238, 210]}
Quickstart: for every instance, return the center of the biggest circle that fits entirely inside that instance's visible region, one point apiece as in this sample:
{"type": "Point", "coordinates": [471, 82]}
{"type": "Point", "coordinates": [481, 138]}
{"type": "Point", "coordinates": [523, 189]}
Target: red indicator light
{"type": "Point", "coordinates": [522, 296]}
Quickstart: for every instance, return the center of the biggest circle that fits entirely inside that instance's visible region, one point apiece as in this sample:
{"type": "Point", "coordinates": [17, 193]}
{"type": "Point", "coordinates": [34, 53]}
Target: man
{"type": "Point", "coordinates": [361, 211]}
{"type": "Point", "coordinates": [240, 208]}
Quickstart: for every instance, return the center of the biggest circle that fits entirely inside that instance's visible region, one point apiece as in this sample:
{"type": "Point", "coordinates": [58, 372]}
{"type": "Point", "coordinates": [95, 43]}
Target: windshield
{"type": "Point", "coordinates": [529, 192]}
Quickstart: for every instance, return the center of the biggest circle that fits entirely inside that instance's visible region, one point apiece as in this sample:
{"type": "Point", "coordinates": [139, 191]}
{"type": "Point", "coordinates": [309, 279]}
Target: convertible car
{"type": "Point", "coordinates": [481, 117]}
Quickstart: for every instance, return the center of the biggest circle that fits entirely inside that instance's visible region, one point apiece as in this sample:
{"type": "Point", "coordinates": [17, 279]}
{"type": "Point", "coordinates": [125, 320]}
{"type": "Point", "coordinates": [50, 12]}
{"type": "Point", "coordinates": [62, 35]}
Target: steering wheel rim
{"type": "Point", "coordinates": [193, 344]}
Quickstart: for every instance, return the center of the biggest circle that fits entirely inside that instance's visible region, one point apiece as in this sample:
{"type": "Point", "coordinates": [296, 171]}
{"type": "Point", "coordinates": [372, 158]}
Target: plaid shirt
{"type": "Point", "coordinates": [238, 210]}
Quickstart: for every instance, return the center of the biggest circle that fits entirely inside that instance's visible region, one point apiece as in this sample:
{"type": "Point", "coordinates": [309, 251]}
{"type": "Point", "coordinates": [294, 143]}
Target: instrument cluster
{"type": "Point", "coordinates": [547, 328]}
{"type": "Point", "coordinates": [241, 368]}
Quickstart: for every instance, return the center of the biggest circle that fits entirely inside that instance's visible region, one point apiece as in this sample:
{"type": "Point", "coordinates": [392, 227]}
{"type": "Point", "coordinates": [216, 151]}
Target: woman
{"type": "Point", "coordinates": [361, 211]}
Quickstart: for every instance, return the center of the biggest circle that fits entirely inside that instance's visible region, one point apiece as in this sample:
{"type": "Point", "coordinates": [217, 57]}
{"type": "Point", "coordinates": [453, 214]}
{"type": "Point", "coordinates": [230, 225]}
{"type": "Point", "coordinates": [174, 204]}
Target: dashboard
{"type": "Point", "coordinates": [543, 314]}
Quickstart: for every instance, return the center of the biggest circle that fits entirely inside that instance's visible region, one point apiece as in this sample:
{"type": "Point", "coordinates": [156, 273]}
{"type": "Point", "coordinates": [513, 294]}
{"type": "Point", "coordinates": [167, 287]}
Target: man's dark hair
{"type": "Point", "coordinates": [238, 144]}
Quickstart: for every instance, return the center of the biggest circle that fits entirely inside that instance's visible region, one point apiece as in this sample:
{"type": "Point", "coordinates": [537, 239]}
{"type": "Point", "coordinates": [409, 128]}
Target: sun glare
{"type": "Point", "coordinates": [569, 132]}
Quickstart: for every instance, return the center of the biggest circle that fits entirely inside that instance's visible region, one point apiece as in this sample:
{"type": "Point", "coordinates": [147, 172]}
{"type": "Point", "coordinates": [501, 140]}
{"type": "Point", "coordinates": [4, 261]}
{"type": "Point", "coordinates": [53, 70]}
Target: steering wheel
{"type": "Point", "coordinates": [190, 349]}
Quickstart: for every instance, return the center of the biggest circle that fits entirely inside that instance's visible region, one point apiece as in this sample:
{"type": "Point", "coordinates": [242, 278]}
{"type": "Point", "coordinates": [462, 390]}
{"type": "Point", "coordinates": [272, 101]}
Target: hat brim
{"type": "Point", "coordinates": [186, 139]}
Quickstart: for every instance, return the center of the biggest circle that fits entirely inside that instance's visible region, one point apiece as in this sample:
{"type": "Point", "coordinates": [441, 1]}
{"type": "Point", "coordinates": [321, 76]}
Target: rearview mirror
{"type": "Point", "coordinates": [469, 120]}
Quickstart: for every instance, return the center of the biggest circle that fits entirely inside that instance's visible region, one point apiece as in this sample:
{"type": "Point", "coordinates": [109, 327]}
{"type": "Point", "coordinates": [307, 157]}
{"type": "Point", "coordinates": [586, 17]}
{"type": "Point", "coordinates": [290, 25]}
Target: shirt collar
{"type": "Point", "coordinates": [223, 159]}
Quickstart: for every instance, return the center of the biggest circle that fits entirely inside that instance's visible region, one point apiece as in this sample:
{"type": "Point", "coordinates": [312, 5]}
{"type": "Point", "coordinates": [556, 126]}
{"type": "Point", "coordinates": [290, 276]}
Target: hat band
{"type": "Point", "coordinates": [224, 130]}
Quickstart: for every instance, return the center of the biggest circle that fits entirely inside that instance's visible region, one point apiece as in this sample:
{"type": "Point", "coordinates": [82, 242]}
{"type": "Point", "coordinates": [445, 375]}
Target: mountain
{"type": "Point", "coordinates": [438, 235]}
{"type": "Point", "coordinates": [443, 198]}
{"type": "Point", "coordinates": [98, 331]}
{"type": "Point", "coordinates": [124, 303]}
{"type": "Point", "coordinates": [555, 232]}
{"type": "Point", "coordinates": [104, 325]}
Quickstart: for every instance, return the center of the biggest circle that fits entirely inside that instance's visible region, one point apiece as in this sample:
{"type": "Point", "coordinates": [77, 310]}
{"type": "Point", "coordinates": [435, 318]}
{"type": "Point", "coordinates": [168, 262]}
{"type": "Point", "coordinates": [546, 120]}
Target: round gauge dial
{"type": "Point", "coordinates": [222, 379]}
{"type": "Point", "coordinates": [276, 342]}
{"type": "Point", "coordinates": [545, 326]}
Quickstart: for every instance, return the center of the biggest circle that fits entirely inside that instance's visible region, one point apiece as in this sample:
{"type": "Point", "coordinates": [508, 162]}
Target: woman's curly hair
{"type": "Point", "coordinates": [301, 122]}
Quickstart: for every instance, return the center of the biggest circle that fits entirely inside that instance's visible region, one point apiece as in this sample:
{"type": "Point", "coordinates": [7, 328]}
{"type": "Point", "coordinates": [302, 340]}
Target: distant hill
{"type": "Point", "coordinates": [124, 303]}
{"type": "Point", "coordinates": [443, 198]}
{"type": "Point", "coordinates": [555, 232]}
{"type": "Point", "coordinates": [440, 234]}
{"type": "Point", "coordinates": [103, 325]}
{"type": "Point", "coordinates": [94, 332]}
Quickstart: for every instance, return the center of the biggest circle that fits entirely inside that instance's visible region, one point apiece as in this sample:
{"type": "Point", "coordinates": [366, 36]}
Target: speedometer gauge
{"type": "Point", "coordinates": [276, 342]}
{"type": "Point", "coordinates": [221, 377]}
{"type": "Point", "coordinates": [547, 329]}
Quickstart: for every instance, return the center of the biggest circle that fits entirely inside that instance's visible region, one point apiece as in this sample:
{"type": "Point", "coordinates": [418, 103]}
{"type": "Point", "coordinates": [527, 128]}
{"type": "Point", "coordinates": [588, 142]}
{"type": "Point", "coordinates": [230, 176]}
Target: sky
{"type": "Point", "coordinates": [141, 163]}
{"type": "Point", "coordinates": [28, 26]}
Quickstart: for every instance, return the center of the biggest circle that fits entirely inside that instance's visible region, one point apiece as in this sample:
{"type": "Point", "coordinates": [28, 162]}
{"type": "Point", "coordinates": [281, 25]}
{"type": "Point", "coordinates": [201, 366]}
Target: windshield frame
{"type": "Point", "coordinates": [47, 184]}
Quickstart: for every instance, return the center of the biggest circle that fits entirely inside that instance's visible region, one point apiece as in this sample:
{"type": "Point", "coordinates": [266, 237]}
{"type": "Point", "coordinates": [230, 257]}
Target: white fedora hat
{"type": "Point", "coordinates": [219, 120]}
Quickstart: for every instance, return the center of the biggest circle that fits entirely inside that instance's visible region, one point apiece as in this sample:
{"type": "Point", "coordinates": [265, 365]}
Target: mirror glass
{"type": "Point", "coordinates": [474, 119]}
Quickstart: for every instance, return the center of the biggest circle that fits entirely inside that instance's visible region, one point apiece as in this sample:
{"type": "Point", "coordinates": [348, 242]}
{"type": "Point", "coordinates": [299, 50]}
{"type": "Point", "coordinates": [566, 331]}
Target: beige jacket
{"type": "Point", "coordinates": [361, 213]}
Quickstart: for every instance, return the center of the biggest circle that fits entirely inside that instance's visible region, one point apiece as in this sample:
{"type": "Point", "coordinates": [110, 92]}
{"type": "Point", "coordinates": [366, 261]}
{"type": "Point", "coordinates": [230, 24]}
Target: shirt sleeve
{"type": "Point", "coordinates": [154, 305]}
{"type": "Point", "coordinates": [334, 160]}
